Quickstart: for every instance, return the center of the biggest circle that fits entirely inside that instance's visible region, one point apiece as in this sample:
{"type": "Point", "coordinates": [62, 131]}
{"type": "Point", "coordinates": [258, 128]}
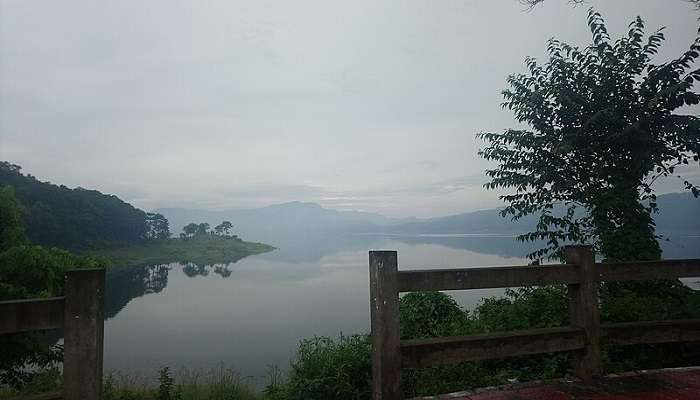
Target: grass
{"type": "Point", "coordinates": [219, 383]}
{"type": "Point", "coordinates": [216, 384]}
{"type": "Point", "coordinates": [200, 250]}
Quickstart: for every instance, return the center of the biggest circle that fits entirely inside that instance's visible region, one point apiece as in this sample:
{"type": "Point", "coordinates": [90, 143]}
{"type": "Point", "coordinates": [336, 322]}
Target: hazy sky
{"type": "Point", "coordinates": [369, 105]}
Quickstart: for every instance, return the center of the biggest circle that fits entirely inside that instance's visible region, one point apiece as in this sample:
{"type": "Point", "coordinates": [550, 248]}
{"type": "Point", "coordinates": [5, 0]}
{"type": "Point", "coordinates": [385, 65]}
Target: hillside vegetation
{"type": "Point", "coordinates": [200, 250]}
{"type": "Point", "coordinates": [72, 218]}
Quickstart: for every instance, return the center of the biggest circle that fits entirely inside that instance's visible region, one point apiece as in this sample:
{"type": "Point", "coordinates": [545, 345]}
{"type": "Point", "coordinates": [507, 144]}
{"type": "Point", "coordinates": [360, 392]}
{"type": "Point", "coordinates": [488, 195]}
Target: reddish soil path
{"type": "Point", "coordinates": [669, 384]}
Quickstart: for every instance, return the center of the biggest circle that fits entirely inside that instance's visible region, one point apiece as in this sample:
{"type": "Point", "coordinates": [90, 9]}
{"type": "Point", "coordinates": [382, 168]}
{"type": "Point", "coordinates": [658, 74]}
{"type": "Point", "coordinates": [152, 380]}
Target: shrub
{"type": "Point", "coordinates": [325, 368]}
{"type": "Point", "coordinates": [28, 271]}
{"type": "Point", "coordinates": [431, 314]}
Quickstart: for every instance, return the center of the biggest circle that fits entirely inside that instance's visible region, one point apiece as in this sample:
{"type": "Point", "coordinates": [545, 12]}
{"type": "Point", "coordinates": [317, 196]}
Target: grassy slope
{"type": "Point", "coordinates": [201, 250]}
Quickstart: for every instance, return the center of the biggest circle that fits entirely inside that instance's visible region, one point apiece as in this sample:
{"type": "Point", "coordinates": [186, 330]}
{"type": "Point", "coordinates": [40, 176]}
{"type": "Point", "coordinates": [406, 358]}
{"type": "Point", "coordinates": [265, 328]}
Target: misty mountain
{"type": "Point", "coordinates": [680, 212]}
{"type": "Point", "coordinates": [282, 220]}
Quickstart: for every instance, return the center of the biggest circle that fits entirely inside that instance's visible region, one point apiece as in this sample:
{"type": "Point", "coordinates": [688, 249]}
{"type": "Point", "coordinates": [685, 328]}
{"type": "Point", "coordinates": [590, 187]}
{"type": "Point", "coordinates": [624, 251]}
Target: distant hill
{"type": "Point", "coordinates": [680, 212]}
{"type": "Point", "coordinates": [483, 221]}
{"type": "Point", "coordinates": [72, 218]}
{"type": "Point", "coordinates": [283, 220]}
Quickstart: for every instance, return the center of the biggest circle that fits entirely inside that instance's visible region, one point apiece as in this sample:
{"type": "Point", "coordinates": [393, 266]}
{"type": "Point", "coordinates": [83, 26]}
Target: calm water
{"type": "Point", "coordinates": [252, 313]}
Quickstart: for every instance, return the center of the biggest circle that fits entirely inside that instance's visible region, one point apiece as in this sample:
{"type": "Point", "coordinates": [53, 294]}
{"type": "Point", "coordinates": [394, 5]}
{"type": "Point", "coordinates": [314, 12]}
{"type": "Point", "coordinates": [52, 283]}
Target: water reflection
{"type": "Point", "coordinates": [252, 313]}
{"type": "Point", "coordinates": [125, 284]}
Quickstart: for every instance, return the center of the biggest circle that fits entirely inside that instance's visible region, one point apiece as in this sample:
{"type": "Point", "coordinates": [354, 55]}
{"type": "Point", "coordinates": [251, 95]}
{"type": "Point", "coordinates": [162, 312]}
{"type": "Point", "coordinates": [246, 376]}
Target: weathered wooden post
{"type": "Point", "coordinates": [384, 311]}
{"type": "Point", "coordinates": [583, 310]}
{"type": "Point", "coordinates": [83, 334]}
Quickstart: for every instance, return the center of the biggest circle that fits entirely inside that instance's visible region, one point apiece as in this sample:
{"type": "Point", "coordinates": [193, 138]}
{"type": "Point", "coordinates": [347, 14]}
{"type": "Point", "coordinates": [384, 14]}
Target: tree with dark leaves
{"type": "Point", "coordinates": [223, 229]}
{"type": "Point", "coordinates": [157, 227]}
{"type": "Point", "coordinates": [602, 127]}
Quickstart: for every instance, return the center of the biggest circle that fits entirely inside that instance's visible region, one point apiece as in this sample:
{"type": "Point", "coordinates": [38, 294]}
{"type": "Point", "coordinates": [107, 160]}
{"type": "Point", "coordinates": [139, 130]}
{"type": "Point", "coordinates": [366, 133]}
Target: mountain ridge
{"type": "Point", "coordinates": [308, 217]}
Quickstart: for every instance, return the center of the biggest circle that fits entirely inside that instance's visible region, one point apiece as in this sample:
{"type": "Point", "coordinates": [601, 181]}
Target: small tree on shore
{"type": "Point", "coordinates": [157, 226]}
{"type": "Point", "coordinates": [601, 129]}
{"type": "Point", "coordinates": [202, 229]}
{"type": "Point", "coordinates": [223, 229]}
{"type": "Point", "coordinates": [189, 230]}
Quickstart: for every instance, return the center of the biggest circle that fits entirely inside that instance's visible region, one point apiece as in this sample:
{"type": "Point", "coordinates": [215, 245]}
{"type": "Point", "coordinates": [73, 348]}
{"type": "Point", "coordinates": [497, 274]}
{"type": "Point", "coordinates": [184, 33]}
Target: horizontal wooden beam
{"type": "Point", "coordinates": [429, 280]}
{"type": "Point", "coordinates": [627, 333]}
{"type": "Point", "coordinates": [31, 315]}
{"type": "Point", "coordinates": [648, 270]}
{"type": "Point", "coordinates": [425, 352]}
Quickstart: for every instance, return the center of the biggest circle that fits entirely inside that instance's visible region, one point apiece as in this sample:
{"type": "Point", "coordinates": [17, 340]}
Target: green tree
{"type": "Point", "coordinates": [190, 229]}
{"type": "Point", "coordinates": [11, 228]}
{"type": "Point", "coordinates": [202, 228]}
{"type": "Point", "coordinates": [77, 218]}
{"type": "Point", "coordinates": [601, 128]}
{"type": "Point", "coordinates": [28, 271]}
{"type": "Point", "coordinates": [431, 314]}
{"type": "Point", "coordinates": [223, 229]}
{"type": "Point", "coordinates": [157, 226]}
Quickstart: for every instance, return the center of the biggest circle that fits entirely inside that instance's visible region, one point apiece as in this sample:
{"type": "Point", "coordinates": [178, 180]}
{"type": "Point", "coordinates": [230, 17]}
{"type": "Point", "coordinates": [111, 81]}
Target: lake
{"type": "Point", "coordinates": [252, 314]}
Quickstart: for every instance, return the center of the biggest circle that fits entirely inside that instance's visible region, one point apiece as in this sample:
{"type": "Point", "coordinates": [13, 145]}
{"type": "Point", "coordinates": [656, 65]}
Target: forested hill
{"type": "Point", "coordinates": [73, 218]}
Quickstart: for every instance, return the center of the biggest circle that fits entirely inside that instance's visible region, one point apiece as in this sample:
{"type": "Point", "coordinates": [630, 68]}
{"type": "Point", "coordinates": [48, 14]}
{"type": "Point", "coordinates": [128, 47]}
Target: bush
{"type": "Point", "coordinates": [28, 271]}
{"type": "Point", "coordinates": [325, 368]}
{"type": "Point", "coordinates": [432, 314]}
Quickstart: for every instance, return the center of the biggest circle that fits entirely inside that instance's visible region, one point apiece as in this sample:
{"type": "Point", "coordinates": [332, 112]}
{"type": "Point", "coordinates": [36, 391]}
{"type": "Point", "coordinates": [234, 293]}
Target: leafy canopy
{"type": "Point", "coordinates": [75, 219]}
{"type": "Point", "coordinates": [11, 228]}
{"type": "Point", "coordinates": [602, 127]}
{"type": "Point", "coordinates": [28, 271]}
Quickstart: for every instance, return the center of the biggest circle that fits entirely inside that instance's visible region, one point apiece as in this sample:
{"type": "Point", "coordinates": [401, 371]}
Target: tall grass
{"type": "Point", "coordinates": [219, 383]}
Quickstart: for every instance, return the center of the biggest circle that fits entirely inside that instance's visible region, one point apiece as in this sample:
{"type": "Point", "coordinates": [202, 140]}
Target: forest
{"type": "Point", "coordinates": [55, 215]}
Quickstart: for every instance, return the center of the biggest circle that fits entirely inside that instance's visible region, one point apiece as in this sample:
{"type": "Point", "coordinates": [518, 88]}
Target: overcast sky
{"type": "Point", "coordinates": [363, 104]}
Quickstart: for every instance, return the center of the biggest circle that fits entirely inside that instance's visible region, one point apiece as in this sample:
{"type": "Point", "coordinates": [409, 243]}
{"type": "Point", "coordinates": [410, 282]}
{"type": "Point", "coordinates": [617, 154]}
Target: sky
{"type": "Point", "coordinates": [356, 105]}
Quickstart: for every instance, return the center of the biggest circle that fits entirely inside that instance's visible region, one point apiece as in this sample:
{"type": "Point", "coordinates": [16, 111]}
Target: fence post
{"type": "Point", "coordinates": [583, 310]}
{"type": "Point", "coordinates": [384, 311]}
{"type": "Point", "coordinates": [83, 334]}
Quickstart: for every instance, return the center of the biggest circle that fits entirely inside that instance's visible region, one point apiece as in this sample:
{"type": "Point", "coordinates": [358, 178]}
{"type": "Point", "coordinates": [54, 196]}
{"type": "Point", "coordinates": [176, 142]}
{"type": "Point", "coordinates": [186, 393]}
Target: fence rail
{"type": "Point", "coordinates": [581, 274]}
{"type": "Point", "coordinates": [80, 314]}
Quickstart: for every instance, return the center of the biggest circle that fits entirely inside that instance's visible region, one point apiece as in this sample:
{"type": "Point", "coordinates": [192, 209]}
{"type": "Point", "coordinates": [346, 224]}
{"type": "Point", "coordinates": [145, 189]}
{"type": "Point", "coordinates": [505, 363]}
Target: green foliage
{"type": "Point", "coordinates": [47, 380]}
{"type": "Point", "coordinates": [341, 369]}
{"type": "Point", "coordinates": [223, 229]}
{"type": "Point", "coordinates": [519, 309]}
{"type": "Point", "coordinates": [73, 218]}
{"type": "Point", "coordinates": [329, 369]}
{"type": "Point", "coordinates": [202, 229]}
{"type": "Point", "coordinates": [200, 250]}
{"type": "Point", "coordinates": [215, 384]}
{"type": "Point", "coordinates": [189, 230]}
{"type": "Point", "coordinates": [650, 300]}
{"type": "Point", "coordinates": [524, 308]}
{"type": "Point", "coordinates": [11, 228]}
{"type": "Point", "coordinates": [28, 271]}
{"type": "Point", "coordinates": [602, 128]}
{"type": "Point", "coordinates": [431, 314]}
{"type": "Point", "coordinates": [166, 384]}
{"type": "Point", "coordinates": [157, 227]}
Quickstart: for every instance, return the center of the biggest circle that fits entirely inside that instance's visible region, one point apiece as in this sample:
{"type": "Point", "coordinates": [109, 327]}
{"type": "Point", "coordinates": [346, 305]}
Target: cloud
{"type": "Point", "coordinates": [363, 104]}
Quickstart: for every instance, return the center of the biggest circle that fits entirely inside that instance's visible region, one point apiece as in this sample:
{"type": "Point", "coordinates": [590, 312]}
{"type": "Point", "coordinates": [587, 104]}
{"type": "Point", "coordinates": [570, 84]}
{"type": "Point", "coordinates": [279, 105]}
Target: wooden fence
{"type": "Point", "coordinates": [80, 314]}
{"type": "Point", "coordinates": [581, 274]}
